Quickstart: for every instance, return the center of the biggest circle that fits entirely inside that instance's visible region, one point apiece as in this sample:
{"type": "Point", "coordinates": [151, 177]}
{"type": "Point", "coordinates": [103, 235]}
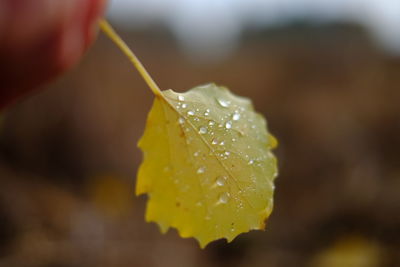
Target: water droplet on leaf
{"type": "Point", "coordinates": [224, 198]}
{"type": "Point", "coordinates": [224, 103]}
{"type": "Point", "coordinates": [235, 116]}
{"type": "Point", "coordinates": [220, 181]}
{"type": "Point", "coordinates": [203, 130]}
{"type": "Point", "coordinates": [201, 170]}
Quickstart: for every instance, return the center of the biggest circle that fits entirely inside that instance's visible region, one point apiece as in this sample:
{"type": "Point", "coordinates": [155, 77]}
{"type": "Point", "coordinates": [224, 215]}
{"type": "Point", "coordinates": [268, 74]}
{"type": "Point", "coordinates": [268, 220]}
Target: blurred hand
{"type": "Point", "coordinates": [39, 39]}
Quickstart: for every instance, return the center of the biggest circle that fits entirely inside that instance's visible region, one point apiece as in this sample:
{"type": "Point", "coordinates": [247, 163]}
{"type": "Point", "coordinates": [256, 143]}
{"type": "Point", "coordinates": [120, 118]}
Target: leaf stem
{"type": "Point", "coordinates": [109, 31]}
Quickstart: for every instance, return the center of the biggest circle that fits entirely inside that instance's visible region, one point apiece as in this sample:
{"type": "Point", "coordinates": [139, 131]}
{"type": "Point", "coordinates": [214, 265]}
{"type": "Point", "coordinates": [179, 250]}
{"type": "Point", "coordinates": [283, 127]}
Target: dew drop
{"type": "Point", "coordinates": [228, 125]}
{"type": "Point", "coordinates": [222, 143]}
{"type": "Point", "coordinates": [214, 141]}
{"type": "Point", "coordinates": [181, 120]}
{"type": "Point", "coordinates": [224, 198]}
{"type": "Point", "coordinates": [220, 181]}
{"type": "Point", "coordinates": [190, 112]}
{"type": "Point", "coordinates": [196, 154]}
{"type": "Point", "coordinates": [211, 123]}
{"type": "Point", "coordinates": [201, 170]}
{"type": "Point", "coordinates": [227, 153]}
{"type": "Point", "coordinates": [181, 98]}
{"type": "Point", "coordinates": [203, 130]}
{"type": "Point", "coordinates": [224, 103]}
{"type": "Point", "coordinates": [251, 162]}
{"type": "Point", "coordinates": [235, 116]}
{"type": "Point", "coordinates": [184, 105]}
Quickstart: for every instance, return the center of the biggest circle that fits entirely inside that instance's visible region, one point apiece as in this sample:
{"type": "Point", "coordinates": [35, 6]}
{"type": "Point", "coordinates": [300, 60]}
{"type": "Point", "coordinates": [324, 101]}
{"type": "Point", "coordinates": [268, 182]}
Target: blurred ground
{"type": "Point", "coordinates": [68, 156]}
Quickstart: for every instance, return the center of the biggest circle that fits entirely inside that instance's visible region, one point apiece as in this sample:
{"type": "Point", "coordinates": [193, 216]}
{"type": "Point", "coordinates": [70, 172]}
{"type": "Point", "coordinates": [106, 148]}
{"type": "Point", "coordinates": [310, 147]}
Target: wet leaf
{"type": "Point", "coordinates": [208, 169]}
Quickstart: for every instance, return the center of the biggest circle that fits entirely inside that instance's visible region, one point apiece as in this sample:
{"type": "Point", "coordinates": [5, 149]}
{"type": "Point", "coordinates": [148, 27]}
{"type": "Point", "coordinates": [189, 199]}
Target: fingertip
{"type": "Point", "coordinates": [80, 31]}
{"type": "Point", "coordinates": [94, 12]}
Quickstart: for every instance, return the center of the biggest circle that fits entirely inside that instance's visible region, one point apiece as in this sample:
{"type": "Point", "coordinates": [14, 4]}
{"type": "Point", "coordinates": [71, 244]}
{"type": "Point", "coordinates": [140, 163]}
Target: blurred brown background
{"type": "Point", "coordinates": [68, 156]}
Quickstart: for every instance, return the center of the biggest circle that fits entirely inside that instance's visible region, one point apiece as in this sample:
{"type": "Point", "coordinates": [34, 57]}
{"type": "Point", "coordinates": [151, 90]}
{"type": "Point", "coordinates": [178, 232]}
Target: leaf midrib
{"type": "Point", "coordinates": [163, 97]}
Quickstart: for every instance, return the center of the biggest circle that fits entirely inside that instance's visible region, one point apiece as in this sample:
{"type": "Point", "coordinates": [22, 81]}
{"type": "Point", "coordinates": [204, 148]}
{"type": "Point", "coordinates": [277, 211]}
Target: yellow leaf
{"type": "Point", "coordinates": [208, 168]}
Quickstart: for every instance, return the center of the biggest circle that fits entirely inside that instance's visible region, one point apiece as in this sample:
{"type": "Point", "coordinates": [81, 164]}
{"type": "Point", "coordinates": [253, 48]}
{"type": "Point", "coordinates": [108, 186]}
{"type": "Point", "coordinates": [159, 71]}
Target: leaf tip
{"type": "Point", "coordinates": [273, 142]}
